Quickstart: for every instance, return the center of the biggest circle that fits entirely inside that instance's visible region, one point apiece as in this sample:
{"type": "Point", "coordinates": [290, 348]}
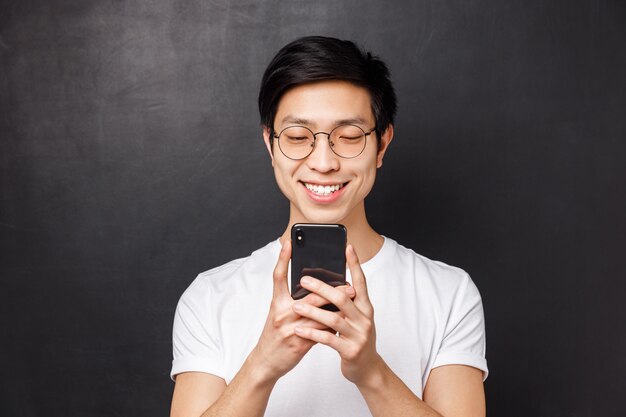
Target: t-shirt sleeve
{"type": "Point", "coordinates": [195, 341]}
{"type": "Point", "coordinates": [464, 339]}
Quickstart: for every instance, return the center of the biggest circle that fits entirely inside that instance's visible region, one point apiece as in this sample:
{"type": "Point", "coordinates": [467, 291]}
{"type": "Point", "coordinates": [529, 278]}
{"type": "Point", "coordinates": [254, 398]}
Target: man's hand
{"type": "Point", "coordinates": [356, 341]}
{"type": "Point", "coordinates": [279, 349]}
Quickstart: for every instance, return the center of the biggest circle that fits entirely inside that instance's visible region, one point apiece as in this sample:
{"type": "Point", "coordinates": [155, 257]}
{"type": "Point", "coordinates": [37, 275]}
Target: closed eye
{"type": "Point", "coordinates": [349, 138]}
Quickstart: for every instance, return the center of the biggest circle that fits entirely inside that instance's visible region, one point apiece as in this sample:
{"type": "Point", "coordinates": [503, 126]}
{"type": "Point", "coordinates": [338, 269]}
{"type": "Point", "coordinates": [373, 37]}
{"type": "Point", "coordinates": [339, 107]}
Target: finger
{"type": "Point", "coordinates": [320, 336]}
{"type": "Point", "coordinates": [332, 294]}
{"type": "Point", "coordinates": [350, 291]}
{"type": "Point", "coordinates": [289, 317]}
{"type": "Point", "coordinates": [358, 277]}
{"type": "Point", "coordinates": [306, 322]}
{"type": "Point", "coordinates": [318, 301]}
{"type": "Point", "coordinates": [281, 288]}
{"type": "Point", "coordinates": [327, 318]}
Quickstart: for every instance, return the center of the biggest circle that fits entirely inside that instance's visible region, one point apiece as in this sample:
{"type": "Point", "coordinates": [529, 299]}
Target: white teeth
{"type": "Point", "coordinates": [323, 190]}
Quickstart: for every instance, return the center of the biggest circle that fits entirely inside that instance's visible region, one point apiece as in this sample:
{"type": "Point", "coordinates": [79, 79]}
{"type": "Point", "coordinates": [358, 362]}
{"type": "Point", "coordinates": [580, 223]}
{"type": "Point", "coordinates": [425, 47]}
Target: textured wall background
{"type": "Point", "coordinates": [131, 159]}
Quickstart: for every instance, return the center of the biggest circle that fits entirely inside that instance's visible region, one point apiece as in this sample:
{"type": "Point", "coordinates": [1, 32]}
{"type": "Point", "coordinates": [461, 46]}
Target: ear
{"type": "Point", "coordinates": [268, 144]}
{"type": "Point", "coordinates": [385, 140]}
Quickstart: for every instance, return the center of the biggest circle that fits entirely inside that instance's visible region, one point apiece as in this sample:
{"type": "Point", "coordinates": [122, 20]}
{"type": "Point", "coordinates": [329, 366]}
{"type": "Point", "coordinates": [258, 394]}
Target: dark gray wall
{"type": "Point", "coordinates": [131, 159]}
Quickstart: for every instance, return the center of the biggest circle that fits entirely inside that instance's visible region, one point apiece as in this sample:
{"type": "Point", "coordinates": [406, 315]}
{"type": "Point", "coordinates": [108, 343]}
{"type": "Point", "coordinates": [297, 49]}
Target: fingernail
{"type": "Point", "coordinates": [306, 281]}
{"type": "Point", "coordinates": [298, 307]}
{"type": "Point", "coordinates": [298, 330]}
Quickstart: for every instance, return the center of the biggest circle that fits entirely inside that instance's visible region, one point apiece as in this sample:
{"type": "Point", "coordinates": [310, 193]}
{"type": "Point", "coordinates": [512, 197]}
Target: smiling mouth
{"type": "Point", "coordinates": [323, 190]}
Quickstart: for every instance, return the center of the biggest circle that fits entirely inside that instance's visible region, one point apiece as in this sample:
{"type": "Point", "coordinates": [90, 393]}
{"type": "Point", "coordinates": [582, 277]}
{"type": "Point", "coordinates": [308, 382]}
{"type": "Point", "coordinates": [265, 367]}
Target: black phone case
{"type": "Point", "coordinates": [318, 250]}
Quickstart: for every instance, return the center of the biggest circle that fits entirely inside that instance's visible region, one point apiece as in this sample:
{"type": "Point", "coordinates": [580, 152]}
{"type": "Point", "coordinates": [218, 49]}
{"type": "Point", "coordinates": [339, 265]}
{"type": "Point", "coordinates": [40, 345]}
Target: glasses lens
{"type": "Point", "coordinates": [348, 140]}
{"type": "Point", "coordinates": [296, 142]}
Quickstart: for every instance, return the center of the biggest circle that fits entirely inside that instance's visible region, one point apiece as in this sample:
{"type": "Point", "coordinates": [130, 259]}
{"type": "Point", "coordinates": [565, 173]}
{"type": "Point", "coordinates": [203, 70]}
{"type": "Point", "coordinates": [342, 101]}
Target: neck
{"type": "Point", "coordinates": [365, 240]}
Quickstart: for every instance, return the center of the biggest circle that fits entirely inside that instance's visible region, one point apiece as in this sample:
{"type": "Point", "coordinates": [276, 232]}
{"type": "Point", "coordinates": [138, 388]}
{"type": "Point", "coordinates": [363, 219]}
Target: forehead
{"type": "Point", "coordinates": [324, 103]}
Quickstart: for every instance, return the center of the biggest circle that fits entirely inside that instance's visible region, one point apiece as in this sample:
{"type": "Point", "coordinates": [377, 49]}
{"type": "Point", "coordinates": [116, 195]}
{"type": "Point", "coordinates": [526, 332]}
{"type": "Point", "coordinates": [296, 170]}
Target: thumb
{"type": "Point", "coordinates": [358, 277]}
{"type": "Point", "coordinates": [281, 287]}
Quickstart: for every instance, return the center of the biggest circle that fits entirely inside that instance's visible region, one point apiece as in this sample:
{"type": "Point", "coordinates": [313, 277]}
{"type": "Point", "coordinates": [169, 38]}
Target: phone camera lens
{"type": "Point", "coordinates": [299, 237]}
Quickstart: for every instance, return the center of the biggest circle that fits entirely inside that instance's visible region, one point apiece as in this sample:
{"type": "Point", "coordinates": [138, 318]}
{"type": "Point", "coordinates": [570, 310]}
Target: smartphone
{"type": "Point", "coordinates": [317, 250]}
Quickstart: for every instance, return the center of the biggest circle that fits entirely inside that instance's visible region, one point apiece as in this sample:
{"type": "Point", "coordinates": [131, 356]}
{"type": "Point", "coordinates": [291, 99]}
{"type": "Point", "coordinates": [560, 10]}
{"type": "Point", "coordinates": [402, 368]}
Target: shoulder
{"type": "Point", "coordinates": [231, 276]}
{"type": "Point", "coordinates": [407, 258]}
{"type": "Point", "coordinates": [439, 279]}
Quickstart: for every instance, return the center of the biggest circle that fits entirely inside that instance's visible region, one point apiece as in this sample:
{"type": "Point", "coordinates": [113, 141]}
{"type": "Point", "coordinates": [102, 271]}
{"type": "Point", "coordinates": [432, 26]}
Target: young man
{"type": "Point", "coordinates": [244, 347]}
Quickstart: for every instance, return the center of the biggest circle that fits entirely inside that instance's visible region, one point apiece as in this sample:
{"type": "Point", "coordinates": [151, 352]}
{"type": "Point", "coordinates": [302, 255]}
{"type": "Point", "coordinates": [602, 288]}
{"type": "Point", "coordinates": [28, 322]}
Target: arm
{"type": "Point", "coordinates": [452, 390]}
{"type": "Point", "coordinates": [456, 390]}
{"type": "Point", "coordinates": [194, 393]}
{"type": "Point", "coordinates": [202, 394]}
{"type": "Point", "coordinates": [276, 353]}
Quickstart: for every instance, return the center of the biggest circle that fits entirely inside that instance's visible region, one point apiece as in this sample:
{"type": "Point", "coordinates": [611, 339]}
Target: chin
{"type": "Point", "coordinates": [317, 216]}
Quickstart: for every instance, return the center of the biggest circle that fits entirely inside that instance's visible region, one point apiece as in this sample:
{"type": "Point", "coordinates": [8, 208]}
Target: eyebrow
{"type": "Point", "coordinates": [296, 120]}
{"type": "Point", "coordinates": [306, 122]}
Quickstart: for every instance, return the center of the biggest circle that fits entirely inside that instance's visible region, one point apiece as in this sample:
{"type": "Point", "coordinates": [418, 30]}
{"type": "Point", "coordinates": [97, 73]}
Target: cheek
{"type": "Point", "coordinates": [372, 170]}
{"type": "Point", "coordinates": [367, 174]}
{"type": "Point", "coordinates": [284, 172]}
{"type": "Point", "coordinates": [370, 178]}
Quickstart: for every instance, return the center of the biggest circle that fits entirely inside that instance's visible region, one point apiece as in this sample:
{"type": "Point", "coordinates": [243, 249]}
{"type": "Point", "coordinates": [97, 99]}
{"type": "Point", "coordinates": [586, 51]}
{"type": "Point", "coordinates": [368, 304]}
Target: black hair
{"type": "Point", "coordinates": [317, 58]}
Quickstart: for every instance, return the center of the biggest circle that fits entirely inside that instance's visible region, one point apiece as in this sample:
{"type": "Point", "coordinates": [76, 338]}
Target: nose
{"type": "Point", "coordinates": [323, 159]}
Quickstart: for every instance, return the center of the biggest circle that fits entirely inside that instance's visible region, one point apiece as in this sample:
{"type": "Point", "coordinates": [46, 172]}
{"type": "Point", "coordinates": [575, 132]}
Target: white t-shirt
{"type": "Point", "coordinates": [427, 314]}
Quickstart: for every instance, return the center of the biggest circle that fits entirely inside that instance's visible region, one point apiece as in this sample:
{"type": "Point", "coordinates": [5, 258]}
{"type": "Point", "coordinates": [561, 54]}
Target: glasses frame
{"type": "Point", "coordinates": [366, 134]}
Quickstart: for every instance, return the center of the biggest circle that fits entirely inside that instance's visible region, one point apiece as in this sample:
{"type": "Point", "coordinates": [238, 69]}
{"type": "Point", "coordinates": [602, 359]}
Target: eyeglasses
{"type": "Point", "coordinates": [298, 142]}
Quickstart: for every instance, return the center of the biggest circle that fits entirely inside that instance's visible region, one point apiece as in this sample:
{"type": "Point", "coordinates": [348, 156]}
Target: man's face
{"type": "Point", "coordinates": [321, 106]}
